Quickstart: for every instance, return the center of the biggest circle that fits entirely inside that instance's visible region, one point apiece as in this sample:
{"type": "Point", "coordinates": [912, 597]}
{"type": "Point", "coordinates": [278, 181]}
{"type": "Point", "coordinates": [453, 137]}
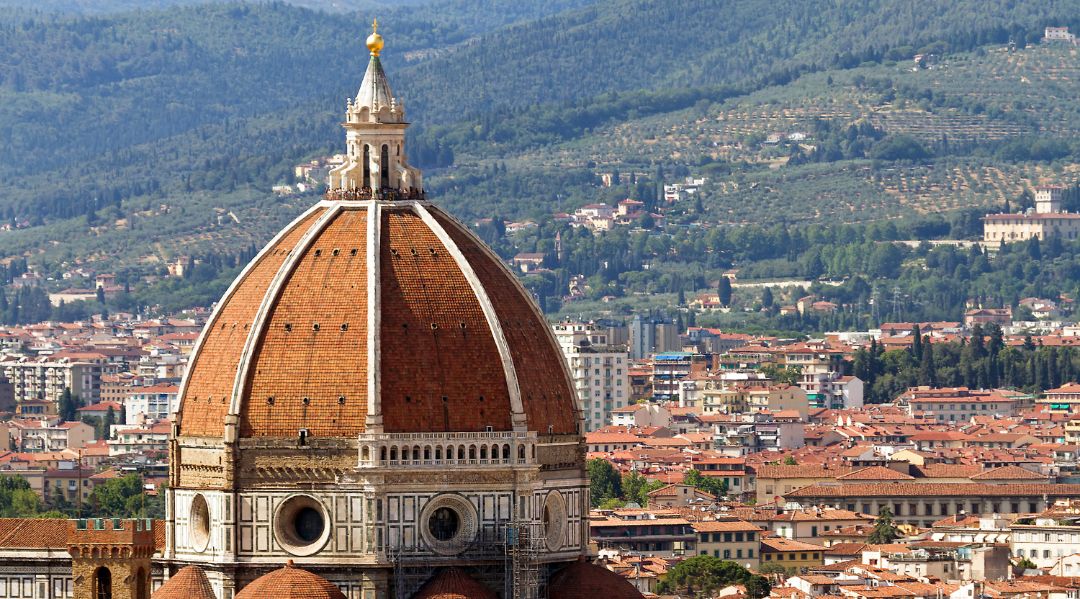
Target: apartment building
{"type": "Point", "coordinates": [601, 372]}
{"type": "Point", "coordinates": [155, 402]}
{"type": "Point", "coordinates": [733, 540]}
{"type": "Point", "coordinates": [45, 378]}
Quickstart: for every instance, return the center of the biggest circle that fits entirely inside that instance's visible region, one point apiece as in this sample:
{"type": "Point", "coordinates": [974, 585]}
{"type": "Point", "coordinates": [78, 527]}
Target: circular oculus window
{"type": "Point", "coordinates": [448, 524]}
{"type": "Point", "coordinates": [301, 525]}
{"type": "Point", "coordinates": [199, 523]}
{"type": "Point", "coordinates": [553, 520]}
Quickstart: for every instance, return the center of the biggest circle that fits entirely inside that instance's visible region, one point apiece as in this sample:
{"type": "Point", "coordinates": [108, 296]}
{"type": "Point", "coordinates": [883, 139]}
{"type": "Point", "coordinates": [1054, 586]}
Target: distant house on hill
{"type": "Point", "coordinates": [1047, 219]}
{"type": "Point", "coordinates": [1059, 34]}
{"type": "Point", "coordinates": [981, 316]}
{"type": "Point", "coordinates": [529, 261]}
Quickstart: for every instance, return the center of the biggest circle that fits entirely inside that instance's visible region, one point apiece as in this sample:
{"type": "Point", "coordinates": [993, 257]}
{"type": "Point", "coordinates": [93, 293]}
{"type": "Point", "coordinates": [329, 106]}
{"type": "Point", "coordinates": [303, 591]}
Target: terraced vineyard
{"type": "Point", "coordinates": [995, 95]}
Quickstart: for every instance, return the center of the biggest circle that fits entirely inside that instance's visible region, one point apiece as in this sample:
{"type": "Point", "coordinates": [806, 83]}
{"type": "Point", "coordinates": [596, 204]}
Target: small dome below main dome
{"type": "Point", "coordinates": [189, 582]}
{"type": "Point", "coordinates": [582, 580]}
{"type": "Point", "coordinates": [453, 583]}
{"type": "Point", "coordinates": [290, 582]}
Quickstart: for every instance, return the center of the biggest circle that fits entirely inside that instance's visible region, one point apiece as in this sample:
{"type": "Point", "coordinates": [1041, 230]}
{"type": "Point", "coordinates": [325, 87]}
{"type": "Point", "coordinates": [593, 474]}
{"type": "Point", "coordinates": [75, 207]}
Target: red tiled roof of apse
{"type": "Point", "coordinates": [290, 582]}
{"type": "Point", "coordinates": [188, 583]}
{"type": "Point", "coordinates": [459, 344]}
{"type": "Point", "coordinates": [582, 580]}
{"type": "Point", "coordinates": [34, 533]}
{"type": "Point", "coordinates": [453, 583]}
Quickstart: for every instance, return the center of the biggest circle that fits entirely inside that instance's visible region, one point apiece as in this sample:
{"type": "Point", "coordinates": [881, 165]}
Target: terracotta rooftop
{"type": "Point", "coordinates": [1010, 473]}
{"type": "Point", "coordinates": [453, 583]}
{"type": "Point", "coordinates": [802, 471]}
{"type": "Point", "coordinates": [188, 583]}
{"type": "Point", "coordinates": [875, 473]}
{"type": "Point", "coordinates": [290, 582]}
{"type": "Point", "coordinates": [725, 526]}
{"type": "Point", "coordinates": [934, 490]}
{"type": "Point", "coordinates": [778, 544]}
{"type": "Point", "coordinates": [582, 580]}
{"type": "Point", "coordinates": [34, 533]}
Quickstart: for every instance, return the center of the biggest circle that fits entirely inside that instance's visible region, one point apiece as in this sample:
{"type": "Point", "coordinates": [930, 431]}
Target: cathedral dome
{"type": "Point", "coordinates": [376, 316]}
{"type": "Point", "coordinates": [290, 582]}
{"type": "Point", "coordinates": [582, 580]}
{"type": "Point", "coordinates": [189, 582]}
{"type": "Point", "coordinates": [453, 583]}
{"type": "Point", "coordinates": [377, 396]}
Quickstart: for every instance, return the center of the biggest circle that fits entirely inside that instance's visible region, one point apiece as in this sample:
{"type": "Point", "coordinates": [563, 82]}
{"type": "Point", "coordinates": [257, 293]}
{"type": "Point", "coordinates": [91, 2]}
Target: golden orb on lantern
{"type": "Point", "coordinates": [375, 41]}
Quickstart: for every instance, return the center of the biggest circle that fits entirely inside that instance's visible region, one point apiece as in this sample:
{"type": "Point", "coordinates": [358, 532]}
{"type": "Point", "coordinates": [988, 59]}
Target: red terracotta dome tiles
{"type": "Point", "coordinates": [189, 582]}
{"type": "Point", "coordinates": [208, 392]}
{"type": "Point", "coordinates": [582, 580]}
{"type": "Point", "coordinates": [547, 394]}
{"type": "Point", "coordinates": [290, 582]}
{"type": "Point", "coordinates": [309, 368]}
{"type": "Point", "coordinates": [454, 583]}
{"type": "Point", "coordinates": [440, 366]}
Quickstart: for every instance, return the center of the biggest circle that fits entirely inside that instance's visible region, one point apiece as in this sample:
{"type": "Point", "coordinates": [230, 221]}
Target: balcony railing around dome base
{"type": "Point", "coordinates": [387, 194]}
{"type": "Point", "coordinates": [444, 462]}
{"type": "Point", "coordinates": [440, 450]}
{"type": "Point", "coordinates": [401, 437]}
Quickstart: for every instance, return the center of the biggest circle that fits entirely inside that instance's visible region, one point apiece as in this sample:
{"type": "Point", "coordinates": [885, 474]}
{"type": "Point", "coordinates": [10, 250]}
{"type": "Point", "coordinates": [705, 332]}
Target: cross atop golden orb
{"type": "Point", "coordinates": [375, 41]}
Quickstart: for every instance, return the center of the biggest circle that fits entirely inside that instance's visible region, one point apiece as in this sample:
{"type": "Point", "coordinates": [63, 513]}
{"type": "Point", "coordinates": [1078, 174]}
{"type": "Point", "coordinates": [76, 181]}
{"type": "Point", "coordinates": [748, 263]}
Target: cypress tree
{"type": "Point", "coordinates": [916, 343]}
{"type": "Point", "coordinates": [927, 369]}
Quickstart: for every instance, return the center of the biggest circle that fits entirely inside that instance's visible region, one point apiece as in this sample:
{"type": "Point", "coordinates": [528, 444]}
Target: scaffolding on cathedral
{"type": "Point", "coordinates": [523, 544]}
{"type": "Point", "coordinates": [508, 555]}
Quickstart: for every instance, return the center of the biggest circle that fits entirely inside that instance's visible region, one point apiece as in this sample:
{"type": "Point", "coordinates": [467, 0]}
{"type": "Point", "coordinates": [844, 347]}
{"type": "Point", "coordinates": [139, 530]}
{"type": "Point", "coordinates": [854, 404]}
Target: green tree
{"type": "Point", "coordinates": [17, 499]}
{"type": "Point", "coordinates": [702, 575]}
{"type": "Point", "coordinates": [767, 297]}
{"type": "Point", "coordinates": [636, 487]}
{"type": "Point", "coordinates": [708, 484]}
{"type": "Point", "coordinates": [604, 481]}
{"type": "Point", "coordinates": [124, 497]}
{"type": "Point", "coordinates": [790, 461]}
{"type": "Point", "coordinates": [69, 405]}
{"type": "Point", "coordinates": [758, 587]}
{"type": "Point", "coordinates": [110, 420]}
{"type": "Point", "coordinates": [884, 529]}
{"type": "Point", "coordinates": [782, 375]}
{"type": "Point", "coordinates": [899, 147]}
{"type": "Point", "coordinates": [927, 370]}
{"type": "Point", "coordinates": [772, 568]}
{"type": "Point", "coordinates": [723, 291]}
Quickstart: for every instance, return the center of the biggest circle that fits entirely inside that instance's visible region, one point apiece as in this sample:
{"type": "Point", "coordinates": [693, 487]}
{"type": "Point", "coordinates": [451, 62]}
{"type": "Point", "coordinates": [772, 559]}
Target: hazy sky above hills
{"type": "Point", "coordinates": [109, 6]}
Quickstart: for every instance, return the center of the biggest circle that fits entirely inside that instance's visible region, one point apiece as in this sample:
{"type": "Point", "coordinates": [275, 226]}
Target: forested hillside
{"type": "Point", "coordinates": [646, 44]}
{"type": "Point", "coordinates": [129, 138]}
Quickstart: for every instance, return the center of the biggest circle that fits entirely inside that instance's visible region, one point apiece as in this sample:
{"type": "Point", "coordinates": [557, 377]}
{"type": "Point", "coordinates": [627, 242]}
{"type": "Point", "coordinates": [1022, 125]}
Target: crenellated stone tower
{"type": "Point", "coordinates": [111, 558]}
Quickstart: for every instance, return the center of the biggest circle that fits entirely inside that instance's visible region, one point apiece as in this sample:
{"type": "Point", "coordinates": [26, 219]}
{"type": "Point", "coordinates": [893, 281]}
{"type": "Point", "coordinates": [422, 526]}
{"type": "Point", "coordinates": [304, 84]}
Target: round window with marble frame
{"type": "Point", "coordinates": [448, 524]}
{"type": "Point", "coordinates": [295, 525]}
{"type": "Point", "coordinates": [199, 523]}
{"type": "Point", "coordinates": [553, 520]}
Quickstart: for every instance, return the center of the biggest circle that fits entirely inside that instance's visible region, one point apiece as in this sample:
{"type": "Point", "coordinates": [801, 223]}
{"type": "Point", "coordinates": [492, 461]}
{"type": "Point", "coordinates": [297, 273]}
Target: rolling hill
{"type": "Point", "coordinates": [124, 137]}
